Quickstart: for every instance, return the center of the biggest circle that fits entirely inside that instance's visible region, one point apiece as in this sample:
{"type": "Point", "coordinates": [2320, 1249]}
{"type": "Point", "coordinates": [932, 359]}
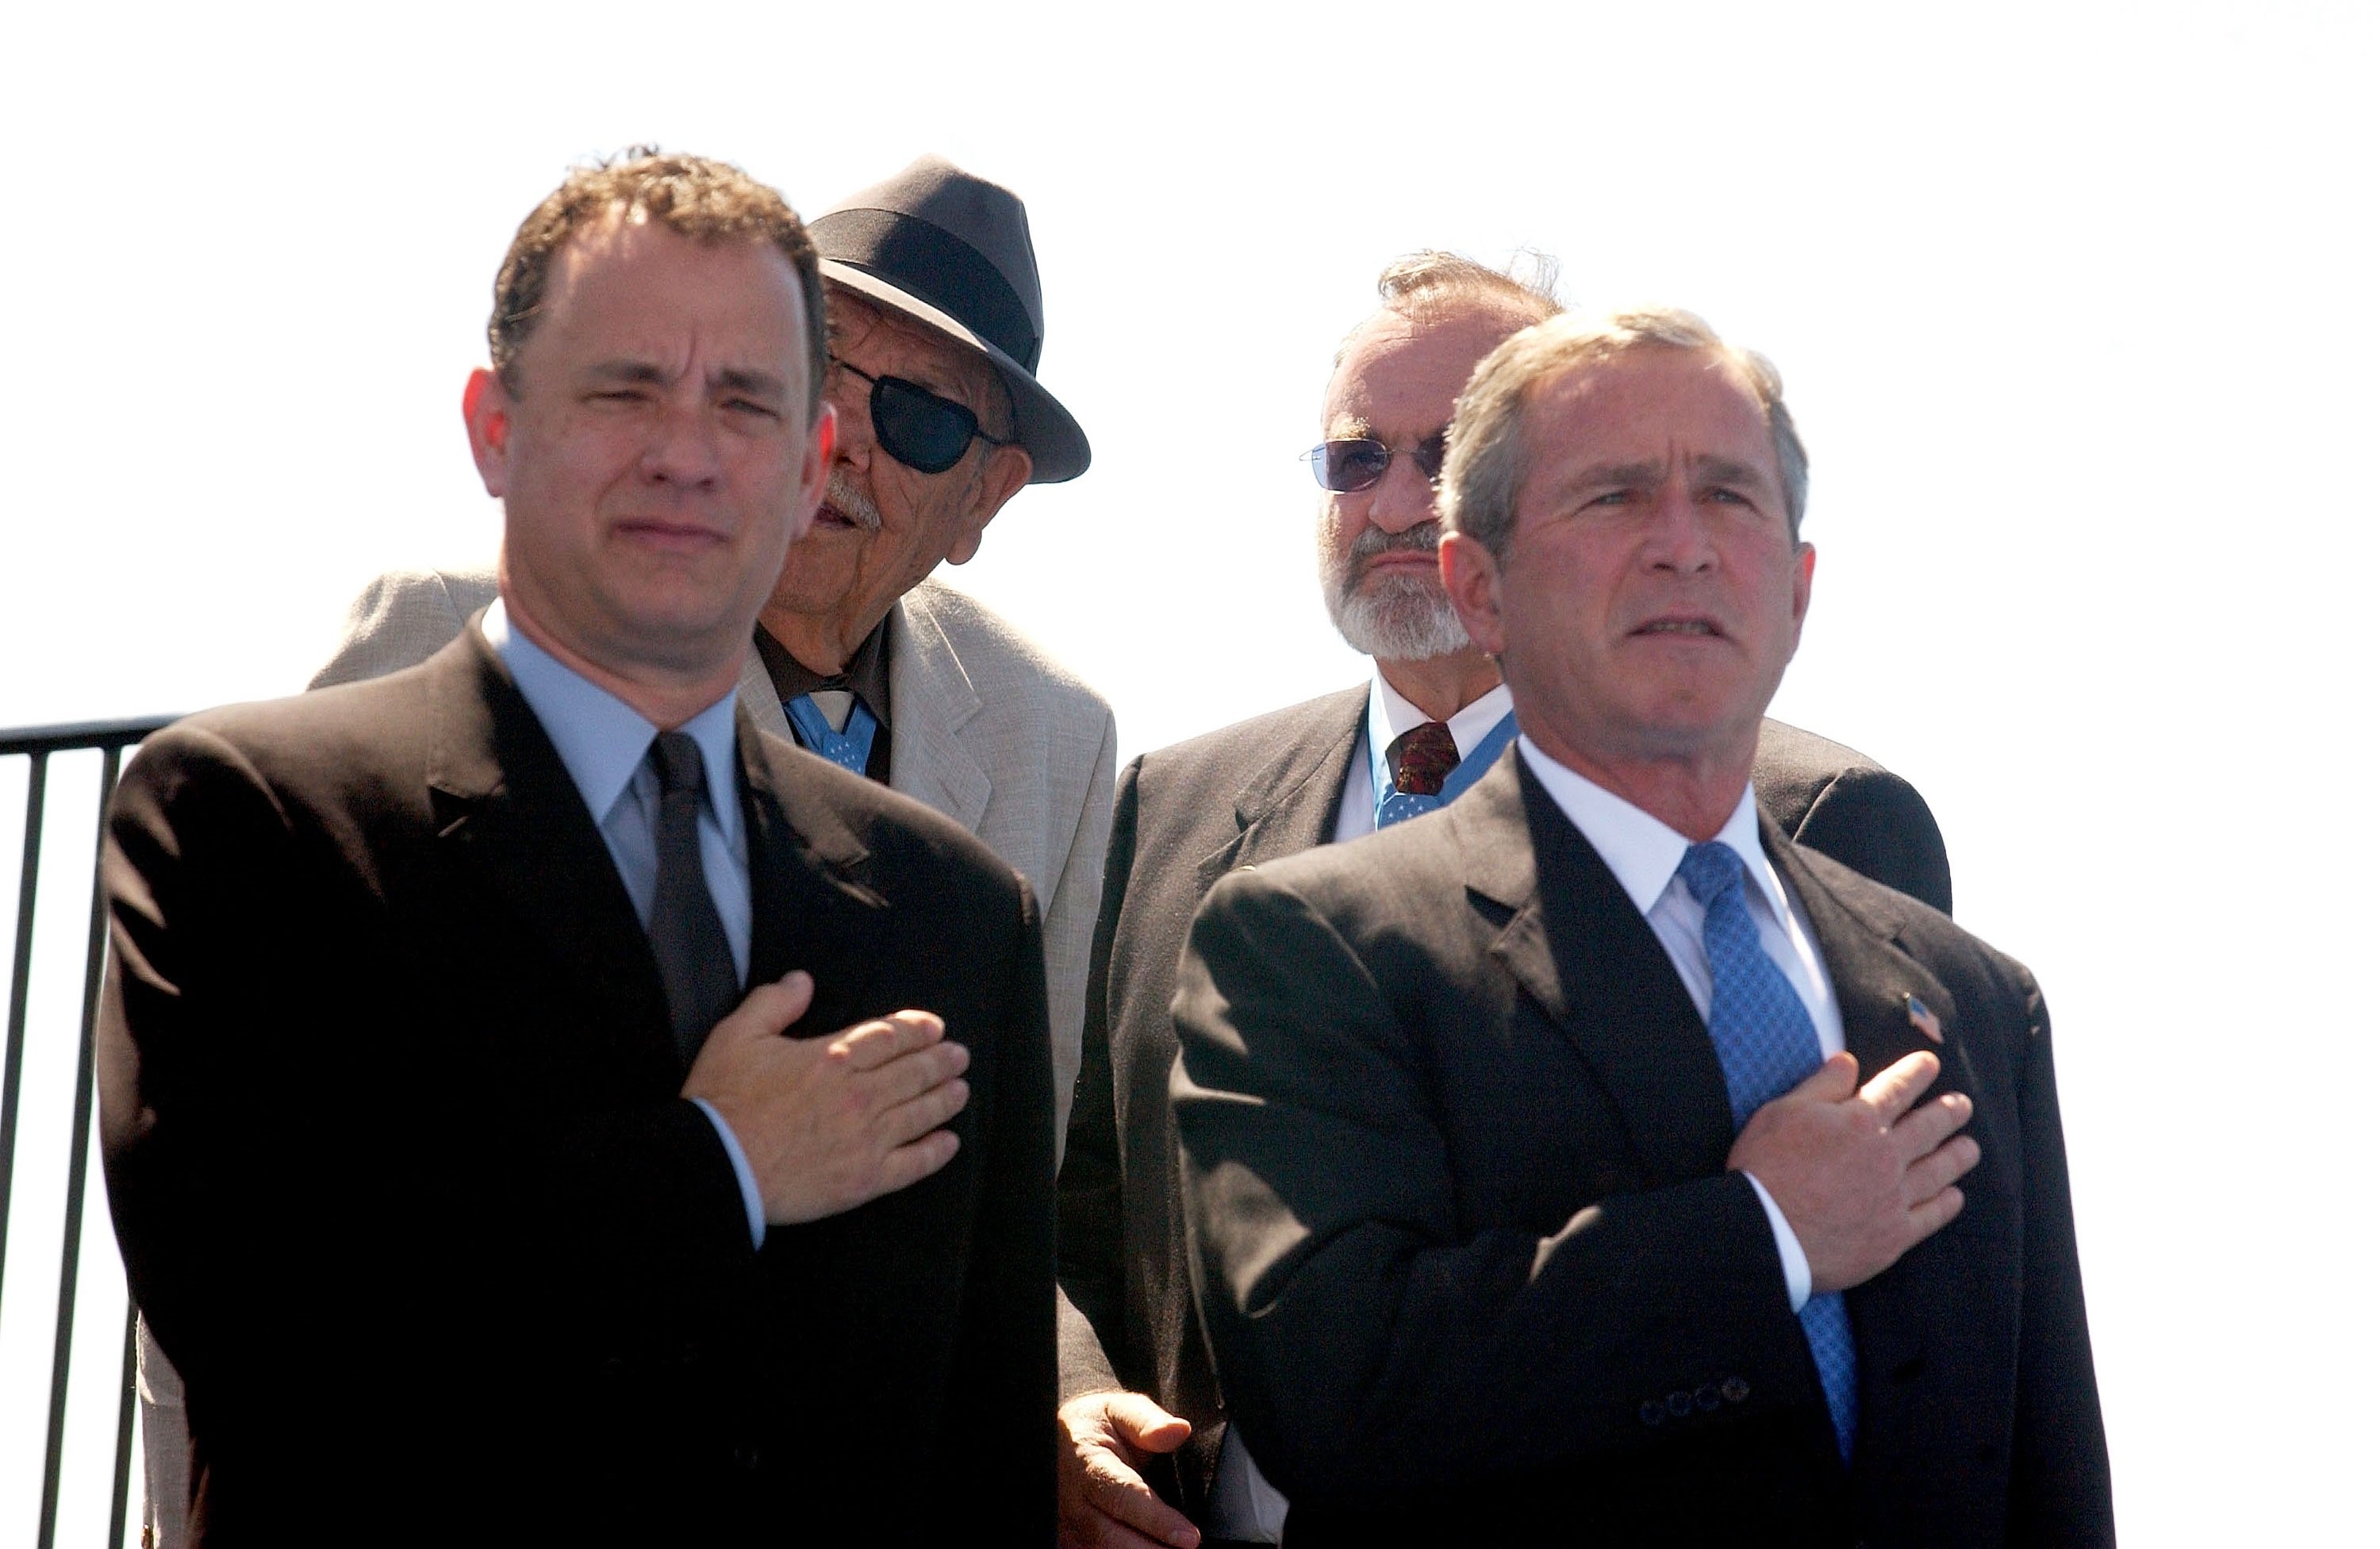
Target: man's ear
{"type": "Point", "coordinates": [488, 418]}
{"type": "Point", "coordinates": [1005, 472]}
{"type": "Point", "coordinates": [1474, 586]}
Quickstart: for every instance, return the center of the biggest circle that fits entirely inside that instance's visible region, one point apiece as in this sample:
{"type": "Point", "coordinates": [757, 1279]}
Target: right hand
{"type": "Point", "coordinates": [1102, 1501]}
{"type": "Point", "coordinates": [829, 1124]}
{"type": "Point", "coordinates": [1861, 1175]}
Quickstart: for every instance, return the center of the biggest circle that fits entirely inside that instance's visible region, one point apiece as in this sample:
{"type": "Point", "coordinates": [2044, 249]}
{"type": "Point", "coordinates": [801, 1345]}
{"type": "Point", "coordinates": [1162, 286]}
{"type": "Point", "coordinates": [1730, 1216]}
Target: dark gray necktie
{"type": "Point", "coordinates": [698, 969]}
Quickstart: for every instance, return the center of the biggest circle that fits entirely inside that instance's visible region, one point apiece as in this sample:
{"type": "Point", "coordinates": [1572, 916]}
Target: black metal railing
{"type": "Point", "coordinates": [36, 747]}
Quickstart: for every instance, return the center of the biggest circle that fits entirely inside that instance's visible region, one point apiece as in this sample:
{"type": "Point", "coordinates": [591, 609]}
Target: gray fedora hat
{"type": "Point", "coordinates": [950, 250]}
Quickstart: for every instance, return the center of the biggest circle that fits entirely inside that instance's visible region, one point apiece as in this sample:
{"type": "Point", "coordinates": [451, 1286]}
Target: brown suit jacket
{"type": "Point", "coordinates": [387, 1080]}
{"type": "Point", "coordinates": [1186, 816]}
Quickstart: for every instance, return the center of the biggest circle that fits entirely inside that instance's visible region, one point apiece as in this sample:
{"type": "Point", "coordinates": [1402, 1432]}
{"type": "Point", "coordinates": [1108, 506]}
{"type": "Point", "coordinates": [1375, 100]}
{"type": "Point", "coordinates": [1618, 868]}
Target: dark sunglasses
{"type": "Point", "coordinates": [1345, 467]}
{"type": "Point", "coordinates": [922, 430]}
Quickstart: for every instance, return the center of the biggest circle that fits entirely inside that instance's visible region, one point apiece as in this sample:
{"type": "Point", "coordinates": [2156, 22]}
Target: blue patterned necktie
{"type": "Point", "coordinates": [848, 746]}
{"type": "Point", "coordinates": [1767, 1046]}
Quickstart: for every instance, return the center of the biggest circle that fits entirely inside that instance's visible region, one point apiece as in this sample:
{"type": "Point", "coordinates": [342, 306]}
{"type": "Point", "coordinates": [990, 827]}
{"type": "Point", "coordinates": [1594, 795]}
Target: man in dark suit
{"type": "Point", "coordinates": [1139, 1386]}
{"type": "Point", "coordinates": [1536, 1194]}
{"type": "Point", "coordinates": [526, 1031]}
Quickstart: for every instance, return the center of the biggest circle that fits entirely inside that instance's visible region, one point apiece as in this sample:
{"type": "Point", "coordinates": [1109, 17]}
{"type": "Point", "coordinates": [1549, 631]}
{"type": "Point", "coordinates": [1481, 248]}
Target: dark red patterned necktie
{"type": "Point", "coordinates": [1420, 761]}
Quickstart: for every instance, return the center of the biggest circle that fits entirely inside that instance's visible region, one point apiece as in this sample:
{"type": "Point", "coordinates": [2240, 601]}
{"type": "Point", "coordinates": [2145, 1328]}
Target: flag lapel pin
{"type": "Point", "coordinates": [1922, 1018]}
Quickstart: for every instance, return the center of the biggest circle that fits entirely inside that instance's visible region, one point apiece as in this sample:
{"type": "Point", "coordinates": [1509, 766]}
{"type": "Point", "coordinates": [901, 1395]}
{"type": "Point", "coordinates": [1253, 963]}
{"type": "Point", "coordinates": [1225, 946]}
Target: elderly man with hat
{"type": "Point", "coordinates": [934, 309]}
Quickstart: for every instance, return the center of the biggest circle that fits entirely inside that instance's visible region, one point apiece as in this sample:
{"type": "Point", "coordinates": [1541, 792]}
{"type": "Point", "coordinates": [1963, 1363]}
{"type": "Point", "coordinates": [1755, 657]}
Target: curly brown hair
{"type": "Point", "coordinates": [697, 197]}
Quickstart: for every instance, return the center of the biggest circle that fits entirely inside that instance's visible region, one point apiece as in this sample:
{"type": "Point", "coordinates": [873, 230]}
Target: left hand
{"type": "Point", "coordinates": [1102, 1501]}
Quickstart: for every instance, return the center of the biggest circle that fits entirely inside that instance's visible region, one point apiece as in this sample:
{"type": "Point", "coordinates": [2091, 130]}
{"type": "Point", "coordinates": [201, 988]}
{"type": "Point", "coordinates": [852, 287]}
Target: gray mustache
{"type": "Point", "coordinates": [1420, 539]}
{"type": "Point", "coordinates": [845, 495]}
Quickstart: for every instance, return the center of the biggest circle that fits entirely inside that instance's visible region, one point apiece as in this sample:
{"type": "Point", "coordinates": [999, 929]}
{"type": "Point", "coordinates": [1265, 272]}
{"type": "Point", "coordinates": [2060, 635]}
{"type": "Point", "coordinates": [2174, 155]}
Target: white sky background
{"type": "Point", "coordinates": [2074, 304]}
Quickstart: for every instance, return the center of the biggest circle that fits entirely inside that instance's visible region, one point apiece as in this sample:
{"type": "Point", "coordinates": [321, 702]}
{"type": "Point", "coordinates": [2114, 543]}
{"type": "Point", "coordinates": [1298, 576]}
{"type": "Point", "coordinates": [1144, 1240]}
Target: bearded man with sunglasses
{"type": "Point", "coordinates": [934, 312]}
{"type": "Point", "coordinates": [1146, 1454]}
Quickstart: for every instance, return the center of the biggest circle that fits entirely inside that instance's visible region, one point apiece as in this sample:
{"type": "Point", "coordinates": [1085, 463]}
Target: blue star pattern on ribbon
{"type": "Point", "coordinates": [848, 746]}
{"type": "Point", "coordinates": [1766, 1046]}
{"type": "Point", "coordinates": [1397, 805]}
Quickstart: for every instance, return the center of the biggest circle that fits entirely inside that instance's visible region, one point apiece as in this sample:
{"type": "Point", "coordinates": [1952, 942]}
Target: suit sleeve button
{"type": "Point", "coordinates": [1707, 1397]}
{"type": "Point", "coordinates": [1735, 1390]}
{"type": "Point", "coordinates": [1681, 1403]}
{"type": "Point", "coordinates": [1650, 1411]}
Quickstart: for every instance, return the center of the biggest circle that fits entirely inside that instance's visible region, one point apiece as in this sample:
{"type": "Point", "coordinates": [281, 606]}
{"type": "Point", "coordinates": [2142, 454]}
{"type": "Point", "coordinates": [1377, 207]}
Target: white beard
{"type": "Point", "coordinates": [1401, 618]}
{"type": "Point", "coordinates": [1396, 618]}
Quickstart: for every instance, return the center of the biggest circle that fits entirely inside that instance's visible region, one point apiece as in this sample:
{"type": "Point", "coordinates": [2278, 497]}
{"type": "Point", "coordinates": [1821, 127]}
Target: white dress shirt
{"type": "Point", "coordinates": [1389, 716]}
{"type": "Point", "coordinates": [1643, 853]}
{"type": "Point", "coordinates": [603, 742]}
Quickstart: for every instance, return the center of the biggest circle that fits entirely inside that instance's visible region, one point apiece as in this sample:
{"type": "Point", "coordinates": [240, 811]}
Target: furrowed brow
{"type": "Point", "coordinates": [1632, 475]}
{"type": "Point", "coordinates": [1727, 470]}
{"type": "Point", "coordinates": [759, 384]}
{"type": "Point", "coordinates": [643, 373]}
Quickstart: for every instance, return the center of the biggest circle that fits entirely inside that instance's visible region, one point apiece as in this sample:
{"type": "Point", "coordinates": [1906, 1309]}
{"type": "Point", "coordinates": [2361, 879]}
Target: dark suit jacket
{"type": "Point", "coordinates": [1829, 799]}
{"type": "Point", "coordinates": [1455, 1143]}
{"type": "Point", "coordinates": [406, 1188]}
{"type": "Point", "coordinates": [1185, 815]}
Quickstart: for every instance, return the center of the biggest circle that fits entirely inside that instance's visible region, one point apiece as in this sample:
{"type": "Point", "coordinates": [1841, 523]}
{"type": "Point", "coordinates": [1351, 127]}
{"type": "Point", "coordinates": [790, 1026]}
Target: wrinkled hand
{"type": "Point", "coordinates": [1862, 1175]}
{"type": "Point", "coordinates": [829, 1124]}
{"type": "Point", "coordinates": [1103, 1439]}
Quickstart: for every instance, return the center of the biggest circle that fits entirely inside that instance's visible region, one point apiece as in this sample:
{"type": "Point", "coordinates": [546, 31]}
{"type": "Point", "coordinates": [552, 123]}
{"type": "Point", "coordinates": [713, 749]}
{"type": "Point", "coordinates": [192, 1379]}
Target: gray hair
{"type": "Point", "coordinates": [1487, 453]}
{"type": "Point", "coordinates": [1426, 283]}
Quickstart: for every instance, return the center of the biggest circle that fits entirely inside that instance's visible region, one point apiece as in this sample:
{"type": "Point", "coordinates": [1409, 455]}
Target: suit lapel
{"type": "Point", "coordinates": [1872, 981]}
{"type": "Point", "coordinates": [811, 905]}
{"type": "Point", "coordinates": [1579, 948]}
{"type": "Point", "coordinates": [758, 695]}
{"type": "Point", "coordinates": [932, 700]}
{"type": "Point", "coordinates": [1290, 802]}
{"type": "Point", "coordinates": [509, 813]}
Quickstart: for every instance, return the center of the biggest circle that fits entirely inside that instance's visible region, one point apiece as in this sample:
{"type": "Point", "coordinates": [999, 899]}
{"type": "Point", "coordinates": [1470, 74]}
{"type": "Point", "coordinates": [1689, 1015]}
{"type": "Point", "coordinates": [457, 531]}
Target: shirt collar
{"type": "Point", "coordinates": [1641, 850]}
{"type": "Point", "coordinates": [868, 673]}
{"type": "Point", "coordinates": [1391, 715]}
{"type": "Point", "coordinates": [602, 739]}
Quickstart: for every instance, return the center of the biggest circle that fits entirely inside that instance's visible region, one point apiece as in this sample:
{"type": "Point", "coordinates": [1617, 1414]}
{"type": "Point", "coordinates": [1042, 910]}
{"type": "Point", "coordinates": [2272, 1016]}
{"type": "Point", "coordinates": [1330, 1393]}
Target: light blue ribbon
{"type": "Point", "coordinates": [848, 746]}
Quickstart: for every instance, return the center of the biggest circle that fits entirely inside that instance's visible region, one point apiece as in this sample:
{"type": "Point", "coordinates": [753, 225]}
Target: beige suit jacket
{"type": "Point", "coordinates": [986, 728]}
